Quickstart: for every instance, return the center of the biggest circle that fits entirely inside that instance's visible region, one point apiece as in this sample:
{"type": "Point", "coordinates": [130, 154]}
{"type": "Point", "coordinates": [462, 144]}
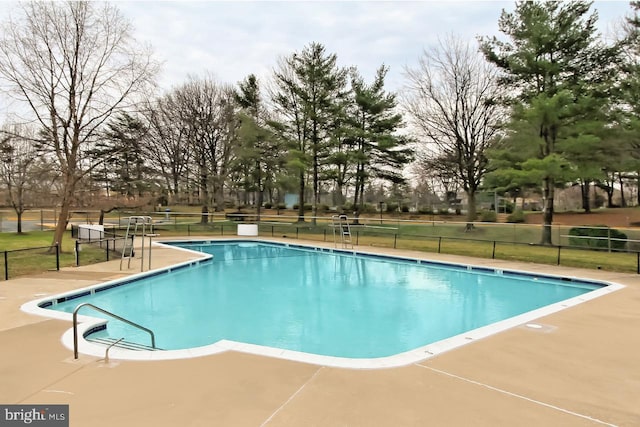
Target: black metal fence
{"type": "Point", "coordinates": [19, 261]}
{"type": "Point", "coordinates": [107, 244]}
{"type": "Point", "coordinates": [607, 258]}
{"type": "Point", "coordinates": [98, 244]}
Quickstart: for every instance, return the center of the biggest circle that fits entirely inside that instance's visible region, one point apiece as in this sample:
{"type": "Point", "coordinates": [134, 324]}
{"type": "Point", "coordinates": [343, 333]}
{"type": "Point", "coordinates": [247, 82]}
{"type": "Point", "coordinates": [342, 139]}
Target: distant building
{"type": "Point", "coordinates": [290, 200]}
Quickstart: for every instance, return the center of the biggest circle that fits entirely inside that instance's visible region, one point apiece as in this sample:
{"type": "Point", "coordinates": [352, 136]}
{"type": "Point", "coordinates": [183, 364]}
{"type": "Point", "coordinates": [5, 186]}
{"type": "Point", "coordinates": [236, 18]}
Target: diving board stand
{"type": "Point", "coordinates": [341, 227]}
{"type": "Point", "coordinates": [141, 226]}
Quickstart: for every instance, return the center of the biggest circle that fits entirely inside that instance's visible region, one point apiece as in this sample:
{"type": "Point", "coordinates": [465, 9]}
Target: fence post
{"type": "Point", "coordinates": [357, 237]}
{"type": "Point", "coordinates": [77, 253]}
{"type": "Point", "coordinates": [325, 235]}
{"type": "Point", "coordinates": [439, 243]}
{"type": "Point", "coordinates": [609, 238]}
{"type": "Point", "coordinates": [559, 246]}
{"type": "Point", "coordinates": [395, 239]}
{"type": "Point", "coordinates": [297, 228]}
{"type": "Point", "coordinates": [58, 256]}
{"type": "Point", "coordinates": [41, 220]}
{"type": "Point", "coordinates": [493, 253]}
{"type": "Point", "coordinates": [188, 229]}
{"type": "Point", "coordinates": [6, 265]}
{"type": "Point", "coordinates": [272, 231]}
{"type": "Point", "coordinates": [637, 262]}
{"type": "Point", "coordinates": [108, 249]}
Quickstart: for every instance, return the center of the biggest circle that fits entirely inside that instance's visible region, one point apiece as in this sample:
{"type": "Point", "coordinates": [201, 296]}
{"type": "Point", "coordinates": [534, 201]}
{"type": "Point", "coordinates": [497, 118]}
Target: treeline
{"type": "Point", "coordinates": [317, 127]}
{"type": "Point", "coordinates": [547, 105]}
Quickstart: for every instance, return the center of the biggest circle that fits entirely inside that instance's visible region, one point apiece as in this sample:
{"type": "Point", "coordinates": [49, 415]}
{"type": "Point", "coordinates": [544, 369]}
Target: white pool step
{"type": "Point", "coordinates": [128, 345]}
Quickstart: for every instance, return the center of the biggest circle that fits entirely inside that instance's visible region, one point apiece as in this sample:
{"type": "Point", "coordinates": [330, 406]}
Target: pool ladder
{"type": "Point", "coordinates": [108, 313]}
{"type": "Point", "coordinates": [341, 225]}
{"type": "Point", "coordinates": [140, 224]}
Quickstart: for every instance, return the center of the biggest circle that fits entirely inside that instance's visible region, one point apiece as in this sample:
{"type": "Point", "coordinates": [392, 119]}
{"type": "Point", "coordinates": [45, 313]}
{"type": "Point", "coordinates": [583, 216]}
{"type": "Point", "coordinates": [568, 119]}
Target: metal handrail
{"type": "Point", "coordinates": [108, 313]}
{"type": "Point", "coordinates": [106, 353]}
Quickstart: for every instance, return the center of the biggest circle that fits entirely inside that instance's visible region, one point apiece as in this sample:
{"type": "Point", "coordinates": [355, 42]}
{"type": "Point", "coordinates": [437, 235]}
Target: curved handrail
{"type": "Point", "coordinates": [108, 313]}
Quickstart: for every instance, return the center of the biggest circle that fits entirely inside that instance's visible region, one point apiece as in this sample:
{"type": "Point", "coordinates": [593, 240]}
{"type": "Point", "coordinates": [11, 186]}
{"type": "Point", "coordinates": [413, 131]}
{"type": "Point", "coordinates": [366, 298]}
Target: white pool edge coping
{"type": "Point", "coordinates": [86, 323]}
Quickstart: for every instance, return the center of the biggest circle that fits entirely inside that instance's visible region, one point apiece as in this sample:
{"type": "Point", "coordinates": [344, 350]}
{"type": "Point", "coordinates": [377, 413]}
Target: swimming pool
{"type": "Point", "coordinates": [322, 305]}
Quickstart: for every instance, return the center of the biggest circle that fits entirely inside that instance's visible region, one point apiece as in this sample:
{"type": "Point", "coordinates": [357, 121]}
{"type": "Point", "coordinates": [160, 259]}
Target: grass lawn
{"type": "Point", "coordinates": [516, 242]}
{"type": "Point", "coordinates": [31, 252]}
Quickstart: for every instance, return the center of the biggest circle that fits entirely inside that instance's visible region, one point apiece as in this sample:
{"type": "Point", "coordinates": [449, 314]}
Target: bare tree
{"type": "Point", "coordinates": [74, 64]}
{"type": "Point", "coordinates": [17, 166]}
{"type": "Point", "coordinates": [195, 123]}
{"type": "Point", "coordinates": [168, 142]}
{"type": "Point", "coordinates": [452, 101]}
{"type": "Point", "coordinates": [207, 110]}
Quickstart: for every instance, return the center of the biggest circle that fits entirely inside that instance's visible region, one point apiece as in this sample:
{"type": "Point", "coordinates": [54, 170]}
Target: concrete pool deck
{"type": "Point", "coordinates": [581, 368]}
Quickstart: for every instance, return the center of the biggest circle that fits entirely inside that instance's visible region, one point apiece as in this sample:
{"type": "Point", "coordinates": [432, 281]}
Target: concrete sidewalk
{"type": "Point", "coordinates": [580, 369]}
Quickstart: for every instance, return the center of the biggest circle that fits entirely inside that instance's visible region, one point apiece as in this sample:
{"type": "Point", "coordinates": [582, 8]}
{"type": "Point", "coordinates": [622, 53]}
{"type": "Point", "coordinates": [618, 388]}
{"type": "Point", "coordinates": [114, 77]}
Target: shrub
{"type": "Point", "coordinates": [488, 216]}
{"type": "Point", "coordinates": [426, 211]}
{"type": "Point", "coordinates": [347, 207]}
{"type": "Point", "coordinates": [307, 207]}
{"type": "Point", "coordinates": [392, 207]}
{"type": "Point", "coordinates": [509, 207]}
{"type": "Point", "coordinates": [267, 205]}
{"type": "Point", "coordinates": [517, 216]}
{"type": "Point", "coordinates": [369, 208]}
{"type": "Point", "coordinates": [443, 211]}
{"type": "Point", "coordinates": [597, 237]}
{"type": "Point", "coordinates": [281, 206]}
{"type": "Point", "coordinates": [404, 208]}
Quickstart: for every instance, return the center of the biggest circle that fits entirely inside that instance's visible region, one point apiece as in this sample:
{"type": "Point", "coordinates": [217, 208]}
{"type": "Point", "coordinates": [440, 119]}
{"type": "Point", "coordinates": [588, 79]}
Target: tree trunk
{"type": "Point", "coordinates": [471, 210]}
{"type": "Point", "coordinates": [301, 199]}
{"type": "Point", "coordinates": [339, 195]}
{"type": "Point", "coordinates": [219, 197]}
{"type": "Point", "coordinates": [65, 207]}
{"type": "Point", "coordinates": [316, 188]}
{"type": "Point", "coordinates": [204, 193]}
{"type": "Point", "coordinates": [610, 189]}
{"type": "Point", "coordinates": [586, 199]}
{"type": "Point", "coordinates": [623, 201]}
{"type": "Point", "coordinates": [19, 214]}
{"type": "Point", "coordinates": [356, 199]}
{"type": "Point", "coordinates": [61, 226]}
{"type": "Point", "coordinates": [547, 211]}
{"type": "Point", "coordinates": [204, 219]}
{"type": "Point", "coordinates": [260, 196]}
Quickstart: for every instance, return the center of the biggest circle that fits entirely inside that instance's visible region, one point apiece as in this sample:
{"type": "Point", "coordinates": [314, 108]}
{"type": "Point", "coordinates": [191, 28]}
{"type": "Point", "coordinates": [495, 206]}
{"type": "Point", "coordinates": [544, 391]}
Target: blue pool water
{"type": "Point", "coordinates": [320, 302]}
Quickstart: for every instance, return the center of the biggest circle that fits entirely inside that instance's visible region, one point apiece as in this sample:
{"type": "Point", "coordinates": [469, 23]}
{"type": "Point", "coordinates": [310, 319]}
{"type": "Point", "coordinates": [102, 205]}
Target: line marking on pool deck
{"type": "Point", "coordinates": [519, 396]}
{"type": "Point", "coordinates": [57, 391]}
{"type": "Point", "coordinates": [47, 388]}
{"type": "Point", "coordinates": [292, 396]}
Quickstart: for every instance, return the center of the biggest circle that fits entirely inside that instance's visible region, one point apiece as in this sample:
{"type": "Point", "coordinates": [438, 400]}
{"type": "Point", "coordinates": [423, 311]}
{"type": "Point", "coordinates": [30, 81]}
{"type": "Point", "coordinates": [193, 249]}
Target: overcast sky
{"type": "Point", "coordinates": [234, 38]}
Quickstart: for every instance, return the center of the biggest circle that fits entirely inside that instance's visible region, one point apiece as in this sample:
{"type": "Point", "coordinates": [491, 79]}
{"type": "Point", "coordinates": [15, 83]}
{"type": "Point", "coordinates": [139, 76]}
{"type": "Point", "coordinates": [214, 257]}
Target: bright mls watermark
{"type": "Point", "coordinates": [36, 415]}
